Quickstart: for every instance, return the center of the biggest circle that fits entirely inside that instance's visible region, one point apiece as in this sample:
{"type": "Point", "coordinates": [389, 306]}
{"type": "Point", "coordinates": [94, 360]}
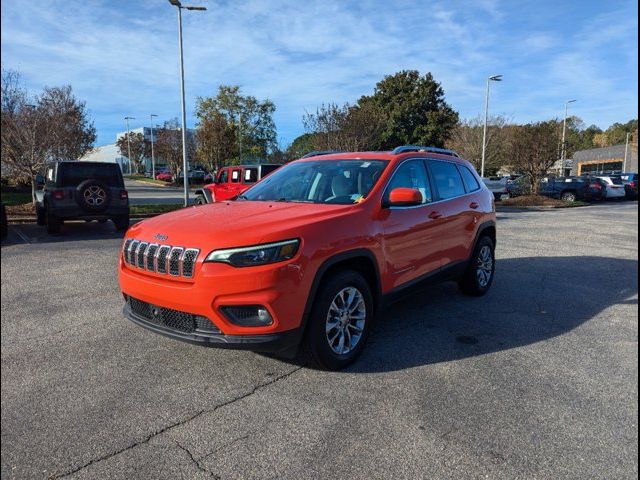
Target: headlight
{"type": "Point", "coordinates": [256, 255]}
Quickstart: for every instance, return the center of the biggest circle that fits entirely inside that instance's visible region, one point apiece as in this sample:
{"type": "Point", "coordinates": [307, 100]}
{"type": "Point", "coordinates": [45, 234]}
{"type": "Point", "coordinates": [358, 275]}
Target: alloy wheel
{"type": "Point", "coordinates": [484, 266]}
{"type": "Point", "coordinates": [345, 320]}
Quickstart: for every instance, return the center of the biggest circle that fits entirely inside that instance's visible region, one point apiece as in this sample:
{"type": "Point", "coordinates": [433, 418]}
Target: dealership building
{"type": "Point", "coordinates": [606, 159]}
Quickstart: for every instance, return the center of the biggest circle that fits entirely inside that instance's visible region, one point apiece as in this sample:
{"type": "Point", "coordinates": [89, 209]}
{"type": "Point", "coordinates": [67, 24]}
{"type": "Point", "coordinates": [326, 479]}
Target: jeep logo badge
{"type": "Point", "coordinates": [161, 237]}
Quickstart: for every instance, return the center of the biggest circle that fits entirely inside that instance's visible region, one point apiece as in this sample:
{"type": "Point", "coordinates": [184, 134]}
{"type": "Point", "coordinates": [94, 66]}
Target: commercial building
{"type": "Point", "coordinates": [606, 159]}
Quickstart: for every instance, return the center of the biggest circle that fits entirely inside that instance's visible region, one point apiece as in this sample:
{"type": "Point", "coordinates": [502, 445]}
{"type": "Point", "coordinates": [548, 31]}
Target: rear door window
{"type": "Point", "coordinates": [235, 175]}
{"type": "Point", "coordinates": [447, 179]}
{"type": "Point", "coordinates": [469, 179]}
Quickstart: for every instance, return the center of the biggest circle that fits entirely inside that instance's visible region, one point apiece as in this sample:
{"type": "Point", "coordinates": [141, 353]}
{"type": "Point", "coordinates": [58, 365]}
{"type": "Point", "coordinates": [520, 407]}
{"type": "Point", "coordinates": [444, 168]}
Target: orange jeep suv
{"type": "Point", "coordinates": [310, 253]}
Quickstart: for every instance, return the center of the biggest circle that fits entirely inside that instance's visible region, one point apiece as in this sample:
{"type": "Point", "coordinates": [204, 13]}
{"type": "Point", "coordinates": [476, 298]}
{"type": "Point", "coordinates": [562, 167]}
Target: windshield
{"type": "Point", "coordinates": [340, 182]}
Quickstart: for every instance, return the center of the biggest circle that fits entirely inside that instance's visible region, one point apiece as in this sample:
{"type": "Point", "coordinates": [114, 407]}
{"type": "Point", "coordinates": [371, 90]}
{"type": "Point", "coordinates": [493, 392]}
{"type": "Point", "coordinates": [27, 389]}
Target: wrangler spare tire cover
{"type": "Point", "coordinates": [93, 196]}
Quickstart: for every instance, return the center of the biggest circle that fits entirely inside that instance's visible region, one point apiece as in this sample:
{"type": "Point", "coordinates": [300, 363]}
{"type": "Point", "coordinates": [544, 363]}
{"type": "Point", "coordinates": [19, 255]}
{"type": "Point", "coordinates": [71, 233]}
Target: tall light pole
{"type": "Point", "coordinates": [493, 78]}
{"type": "Point", "coordinates": [153, 157]}
{"type": "Point", "coordinates": [563, 150]}
{"type": "Point", "coordinates": [129, 142]}
{"type": "Point", "coordinates": [626, 154]}
{"type": "Point", "coordinates": [185, 163]}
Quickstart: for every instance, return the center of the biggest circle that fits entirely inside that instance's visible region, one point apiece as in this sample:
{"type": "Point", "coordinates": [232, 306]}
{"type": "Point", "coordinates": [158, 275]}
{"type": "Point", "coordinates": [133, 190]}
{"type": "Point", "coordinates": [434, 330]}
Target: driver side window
{"type": "Point", "coordinates": [411, 174]}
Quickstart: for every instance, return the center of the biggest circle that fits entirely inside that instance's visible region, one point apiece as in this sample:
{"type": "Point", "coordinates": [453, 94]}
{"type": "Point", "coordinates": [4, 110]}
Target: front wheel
{"type": "Point", "coordinates": [568, 197]}
{"type": "Point", "coordinates": [478, 277]}
{"type": "Point", "coordinates": [41, 218]}
{"type": "Point", "coordinates": [340, 320]}
{"type": "Point", "coordinates": [200, 200]}
{"type": "Point", "coordinates": [53, 223]}
{"type": "Point", "coordinates": [121, 222]}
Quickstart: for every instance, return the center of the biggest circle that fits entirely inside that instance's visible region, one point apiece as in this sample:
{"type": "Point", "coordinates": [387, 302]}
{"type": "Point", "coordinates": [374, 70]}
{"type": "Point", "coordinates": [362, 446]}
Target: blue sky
{"type": "Point", "coordinates": [122, 56]}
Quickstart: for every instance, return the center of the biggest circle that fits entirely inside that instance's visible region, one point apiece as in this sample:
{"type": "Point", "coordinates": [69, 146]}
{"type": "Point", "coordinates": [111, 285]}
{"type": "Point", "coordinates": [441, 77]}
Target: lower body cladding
{"type": "Point", "coordinates": [224, 307]}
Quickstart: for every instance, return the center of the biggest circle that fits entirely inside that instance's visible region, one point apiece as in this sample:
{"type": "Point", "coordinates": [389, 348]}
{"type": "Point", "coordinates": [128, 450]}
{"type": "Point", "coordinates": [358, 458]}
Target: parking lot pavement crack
{"type": "Point", "coordinates": [195, 461]}
{"type": "Point", "coordinates": [179, 423]}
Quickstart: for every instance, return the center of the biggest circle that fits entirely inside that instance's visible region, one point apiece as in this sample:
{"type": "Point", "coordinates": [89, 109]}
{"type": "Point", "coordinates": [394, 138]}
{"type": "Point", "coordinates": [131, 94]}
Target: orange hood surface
{"type": "Point", "coordinates": [234, 224]}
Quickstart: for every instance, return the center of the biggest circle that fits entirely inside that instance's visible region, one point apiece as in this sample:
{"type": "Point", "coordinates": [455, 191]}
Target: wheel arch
{"type": "Point", "coordinates": [206, 193]}
{"type": "Point", "coordinates": [360, 260]}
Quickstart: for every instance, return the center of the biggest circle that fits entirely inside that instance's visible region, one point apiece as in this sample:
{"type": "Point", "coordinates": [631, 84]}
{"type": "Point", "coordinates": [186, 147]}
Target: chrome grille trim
{"type": "Point", "coordinates": [150, 257]}
{"type": "Point", "coordinates": [142, 247]}
{"type": "Point", "coordinates": [159, 258]}
{"type": "Point", "coordinates": [175, 261]}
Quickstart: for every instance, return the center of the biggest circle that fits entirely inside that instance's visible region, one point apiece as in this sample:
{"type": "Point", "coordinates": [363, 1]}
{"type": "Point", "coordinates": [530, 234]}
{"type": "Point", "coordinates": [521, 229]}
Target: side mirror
{"type": "Point", "coordinates": [404, 197]}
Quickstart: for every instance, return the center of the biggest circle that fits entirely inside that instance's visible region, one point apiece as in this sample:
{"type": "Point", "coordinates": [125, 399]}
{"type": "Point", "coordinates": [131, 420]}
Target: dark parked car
{"type": "Point", "coordinates": [85, 191]}
{"type": "Point", "coordinates": [572, 189]}
{"type": "Point", "coordinates": [630, 181]}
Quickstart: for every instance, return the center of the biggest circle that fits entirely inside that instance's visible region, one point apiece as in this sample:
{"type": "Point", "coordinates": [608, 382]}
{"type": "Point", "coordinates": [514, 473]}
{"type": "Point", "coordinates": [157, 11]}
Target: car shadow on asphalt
{"type": "Point", "coordinates": [70, 231]}
{"type": "Point", "coordinates": [533, 299]}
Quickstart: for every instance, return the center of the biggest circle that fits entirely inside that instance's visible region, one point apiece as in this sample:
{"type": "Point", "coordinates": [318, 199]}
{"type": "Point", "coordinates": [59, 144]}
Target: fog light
{"type": "Point", "coordinates": [248, 315]}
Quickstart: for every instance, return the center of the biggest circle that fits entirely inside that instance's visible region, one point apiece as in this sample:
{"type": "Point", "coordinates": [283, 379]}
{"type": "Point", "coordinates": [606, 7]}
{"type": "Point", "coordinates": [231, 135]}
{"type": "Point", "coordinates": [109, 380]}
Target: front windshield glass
{"type": "Point", "coordinates": [340, 182]}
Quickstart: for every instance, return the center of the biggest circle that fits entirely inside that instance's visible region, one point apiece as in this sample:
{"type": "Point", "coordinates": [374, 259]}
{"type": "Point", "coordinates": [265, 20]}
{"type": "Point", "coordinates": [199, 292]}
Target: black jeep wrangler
{"type": "Point", "coordinates": [82, 191]}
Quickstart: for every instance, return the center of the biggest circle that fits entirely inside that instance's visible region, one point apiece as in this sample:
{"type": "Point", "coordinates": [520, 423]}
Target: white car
{"type": "Point", "coordinates": [615, 187]}
{"type": "Point", "coordinates": [498, 186]}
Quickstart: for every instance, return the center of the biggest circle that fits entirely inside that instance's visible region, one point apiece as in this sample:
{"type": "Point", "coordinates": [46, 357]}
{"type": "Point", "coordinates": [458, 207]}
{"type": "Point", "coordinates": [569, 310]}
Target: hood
{"type": "Point", "coordinates": [232, 224]}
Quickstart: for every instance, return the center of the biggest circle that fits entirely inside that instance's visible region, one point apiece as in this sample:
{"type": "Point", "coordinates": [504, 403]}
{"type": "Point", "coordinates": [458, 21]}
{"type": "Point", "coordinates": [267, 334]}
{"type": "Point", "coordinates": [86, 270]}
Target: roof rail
{"type": "Point", "coordinates": [420, 148]}
{"type": "Point", "coordinates": [320, 152]}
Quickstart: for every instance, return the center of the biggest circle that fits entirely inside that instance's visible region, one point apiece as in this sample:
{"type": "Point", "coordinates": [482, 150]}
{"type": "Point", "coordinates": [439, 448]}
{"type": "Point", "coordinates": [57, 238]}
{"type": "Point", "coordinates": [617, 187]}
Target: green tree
{"type": "Point", "coordinates": [414, 109]}
{"type": "Point", "coordinates": [215, 139]}
{"type": "Point", "coordinates": [250, 119]}
{"type": "Point", "coordinates": [301, 145]}
{"type": "Point", "coordinates": [169, 145]}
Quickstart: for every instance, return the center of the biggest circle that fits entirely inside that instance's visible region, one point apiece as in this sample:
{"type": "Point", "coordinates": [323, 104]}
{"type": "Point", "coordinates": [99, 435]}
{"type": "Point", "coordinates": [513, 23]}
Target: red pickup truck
{"type": "Point", "coordinates": [232, 181]}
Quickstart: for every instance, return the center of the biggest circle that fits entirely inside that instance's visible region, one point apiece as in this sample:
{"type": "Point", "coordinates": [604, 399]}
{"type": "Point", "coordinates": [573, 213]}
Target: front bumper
{"type": "Point", "coordinates": [282, 343]}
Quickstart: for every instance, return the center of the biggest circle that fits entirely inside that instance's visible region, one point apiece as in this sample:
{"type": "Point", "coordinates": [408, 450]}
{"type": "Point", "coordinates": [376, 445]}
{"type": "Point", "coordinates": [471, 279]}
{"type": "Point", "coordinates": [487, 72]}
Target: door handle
{"type": "Point", "coordinates": [474, 205]}
{"type": "Point", "coordinates": [433, 215]}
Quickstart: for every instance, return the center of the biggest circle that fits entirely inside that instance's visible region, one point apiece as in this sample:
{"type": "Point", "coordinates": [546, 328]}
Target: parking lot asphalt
{"type": "Point", "coordinates": [141, 193]}
{"type": "Point", "coordinates": [538, 379]}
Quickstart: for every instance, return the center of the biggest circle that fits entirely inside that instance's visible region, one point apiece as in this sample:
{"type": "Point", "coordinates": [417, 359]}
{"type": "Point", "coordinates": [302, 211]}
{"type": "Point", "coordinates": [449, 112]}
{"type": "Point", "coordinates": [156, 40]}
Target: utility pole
{"type": "Point", "coordinates": [185, 163]}
{"type": "Point", "coordinates": [493, 78]}
{"type": "Point", "coordinates": [129, 142]}
{"type": "Point", "coordinates": [153, 158]}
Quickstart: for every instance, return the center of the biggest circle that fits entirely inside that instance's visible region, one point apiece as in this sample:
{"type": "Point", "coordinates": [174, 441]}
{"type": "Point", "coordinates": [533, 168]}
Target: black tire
{"type": "Point", "coordinates": [121, 222]}
{"type": "Point", "coordinates": [200, 200]}
{"type": "Point", "coordinates": [568, 196]}
{"type": "Point", "coordinates": [53, 223]}
{"type": "Point", "coordinates": [93, 196]}
{"type": "Point", "coordinates": [41, 218]}
{"type": "Point", "coordinates": [473, 282]}
{"type": "Point", "coordinates": [4, 226]}
{"type": "Point", "coordinates": [316, 341]}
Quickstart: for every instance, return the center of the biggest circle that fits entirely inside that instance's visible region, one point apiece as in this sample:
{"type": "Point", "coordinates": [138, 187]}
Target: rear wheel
{"type": "Point", "coordinates": [478, 277]}
{"type": "Point", "coordinates": [53, 223]}
{"type": "Point", "coordinates": [340, 321]}
{"type": "Point", "coordinates": [121, 222]}
{"type": "Point", "coordinates": [568, 196]}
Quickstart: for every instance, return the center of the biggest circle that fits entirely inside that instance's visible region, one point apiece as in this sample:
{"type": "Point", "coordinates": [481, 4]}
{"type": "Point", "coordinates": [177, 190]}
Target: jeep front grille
{"type": "Point", "coordinates": [162, 259]}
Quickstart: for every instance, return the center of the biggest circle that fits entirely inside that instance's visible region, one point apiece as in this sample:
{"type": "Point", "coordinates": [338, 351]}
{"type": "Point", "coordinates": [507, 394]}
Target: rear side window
{"type": "Point", "coordinates": [447, 179]}
{"type": "Point", "coordinates": [224, 176]}
{"type": "Point", "coordinates": [250, 175]}
{"type": "Point", "coordinates": [71, 174]}
{"type": "Point", "coordinates": [469, 179]}
{"type": "Point", "coordinates": [411, 174]}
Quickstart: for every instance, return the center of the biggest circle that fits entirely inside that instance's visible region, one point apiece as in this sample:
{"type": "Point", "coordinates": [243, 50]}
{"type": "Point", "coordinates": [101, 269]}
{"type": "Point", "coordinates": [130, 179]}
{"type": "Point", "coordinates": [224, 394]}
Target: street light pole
{"type": "Point", "coordinates": [153, 158]}
{"type": "Point", "coordinates": [626, 154]}
{"type": "Point", "coordinates": [563, 149]}
{"type": "Point", "coordinates": [185, 163]}
{"type": "Point", "coordinates": [129, 142]}
{"type": "Point", "coordinates": [493, 78]}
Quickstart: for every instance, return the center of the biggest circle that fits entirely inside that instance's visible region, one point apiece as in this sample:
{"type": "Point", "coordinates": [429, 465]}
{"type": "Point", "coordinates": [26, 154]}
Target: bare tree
{"type": "Point", "coordinates": [534, 149]}
{"type": "Point", "coordinates": [466, 139]}
{"type": "Point", "coordinates": [140, 148]}
{"type": "Point", "coordinates": [216, 141]}
{"type": "Point", "coordinates": [169, 145]}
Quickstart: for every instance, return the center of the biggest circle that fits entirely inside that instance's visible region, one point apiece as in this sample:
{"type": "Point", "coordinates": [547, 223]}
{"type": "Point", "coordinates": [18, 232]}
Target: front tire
{"type": "Point", "coordinates": [478, 277]}
{"type": "Point", "coordinates": [200, 200]}
{"type": "Point", "coordinates": [53, 223]}
{"type": "Point", "coordinates": [568, 197]}
{"type": "Point", "coordinates": [340, 321]}
{"type": "Point", "coordinates": [121, 222]}
{"type": "Point", "coordinates": [41, 218]}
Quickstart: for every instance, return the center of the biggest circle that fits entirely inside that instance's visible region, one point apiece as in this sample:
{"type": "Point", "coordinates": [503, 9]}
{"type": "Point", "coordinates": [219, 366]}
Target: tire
{"type": "Point", "coordinates": [53, 223]}
{"type": "Point", "coordinates": [200, 200]}
{"type": "Point", "coordinates": [41, 218]}
{"type": "Point", "coordinates": [568, 196]}
{"type": "Point", "coordinates": [121, 222]}
{"type": "Point", "coordinates": [324, 324]}
{"type": "Point", "coordinates": [93, 196]}
{"type": "Point", "coordinates": [474, 282]}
